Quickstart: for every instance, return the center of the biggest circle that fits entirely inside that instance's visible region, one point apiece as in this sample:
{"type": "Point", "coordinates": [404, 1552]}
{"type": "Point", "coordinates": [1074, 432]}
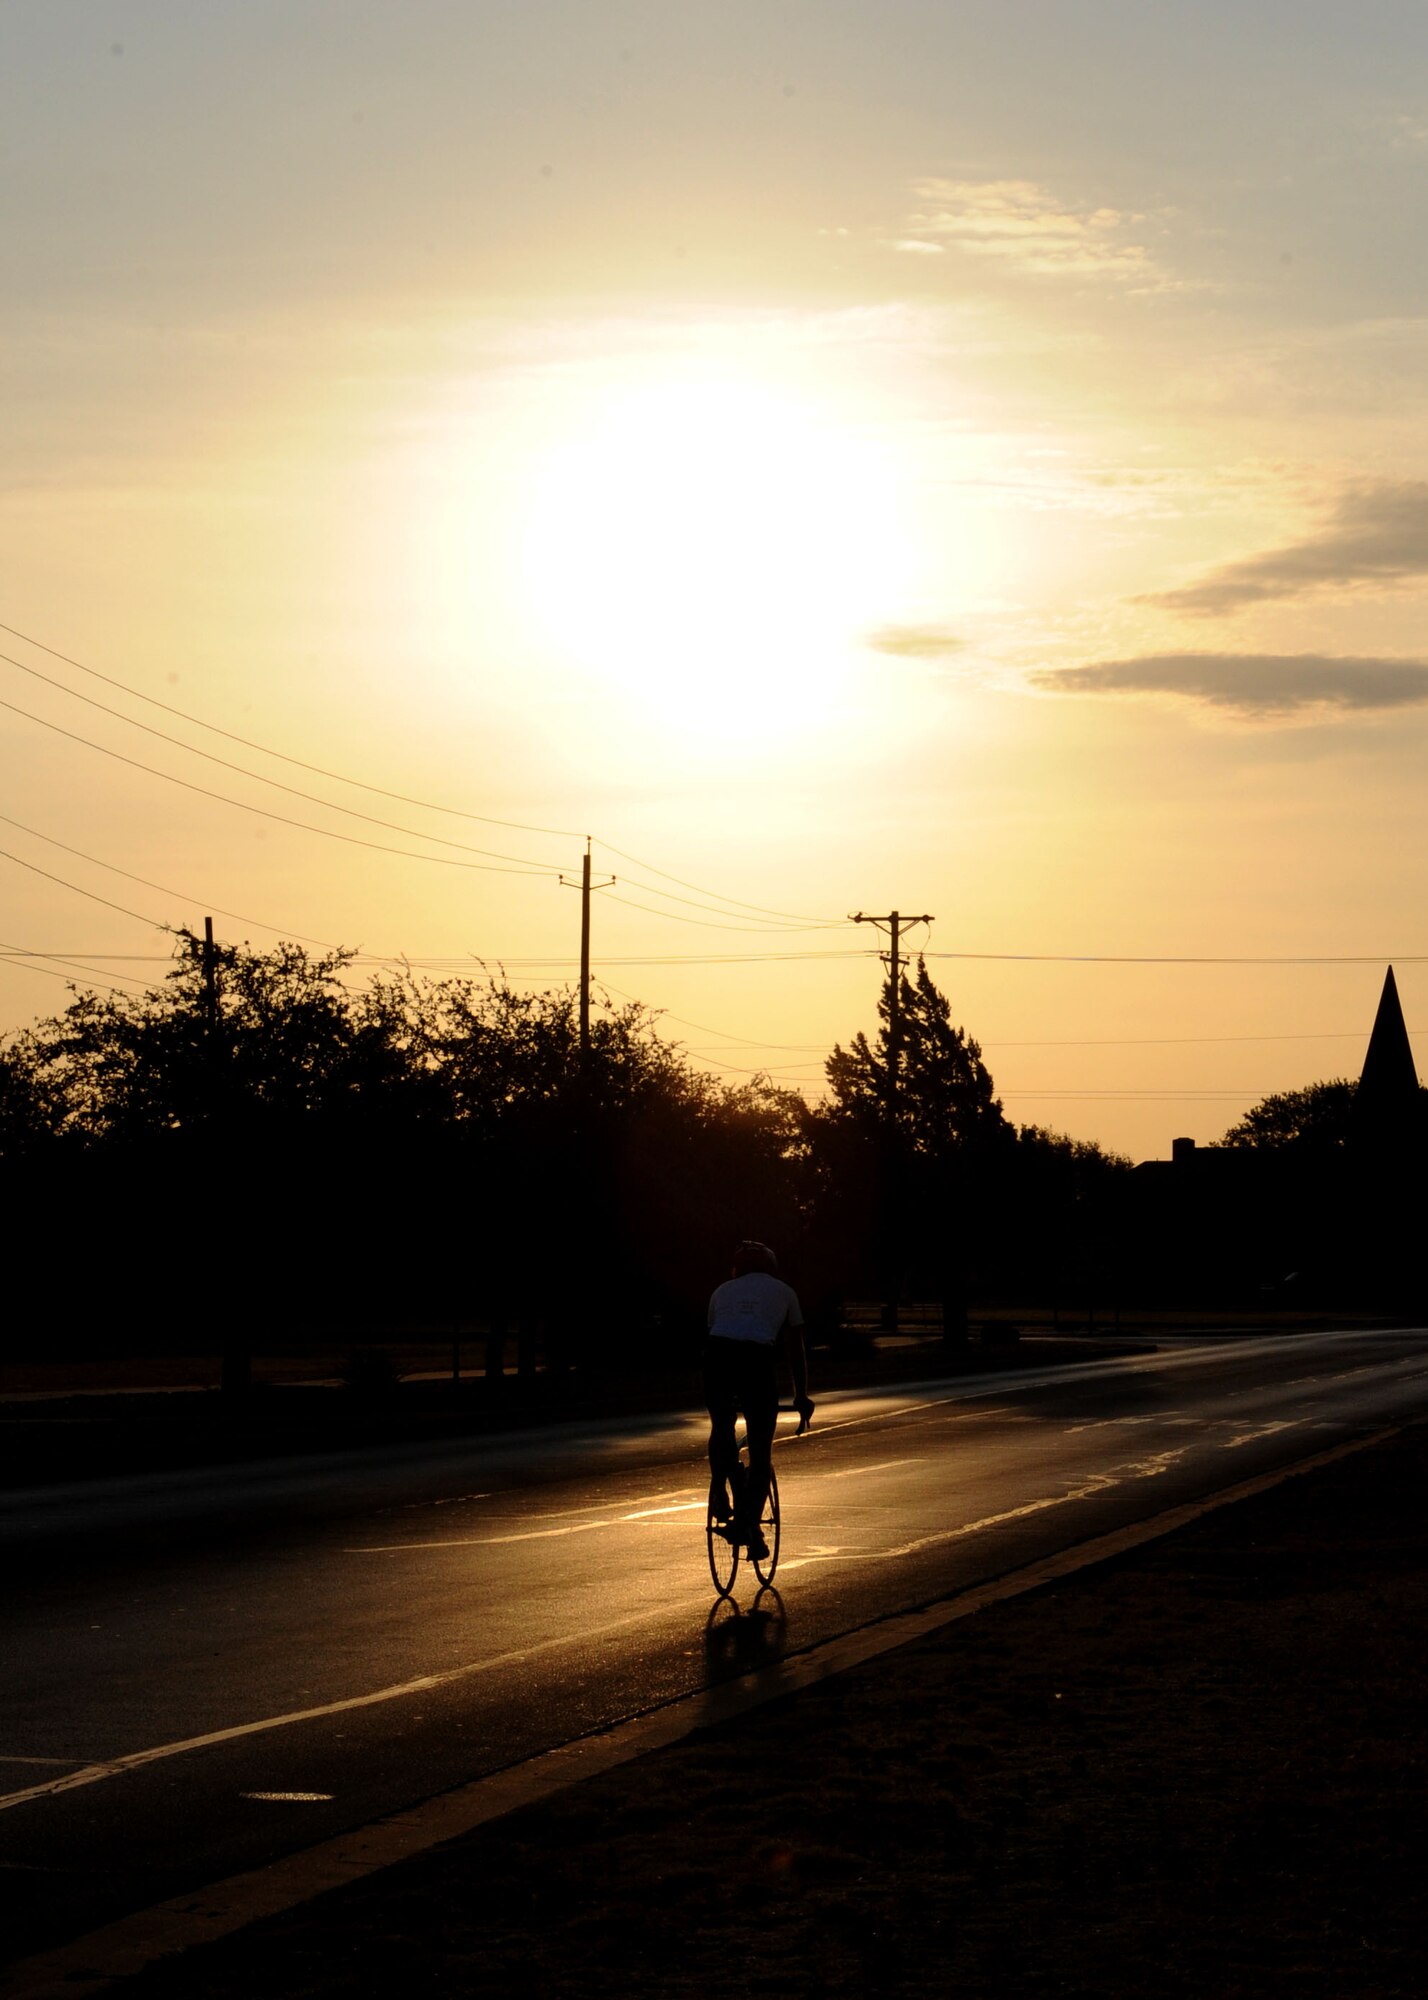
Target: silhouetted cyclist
{"type": "Point", "coordinates": [747, 1315]}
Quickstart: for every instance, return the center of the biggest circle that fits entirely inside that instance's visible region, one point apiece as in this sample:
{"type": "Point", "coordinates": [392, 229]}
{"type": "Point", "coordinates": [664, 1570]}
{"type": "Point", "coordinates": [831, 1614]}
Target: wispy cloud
{"type": "Point", "coordinates": [1376, 534]}
{"type": "Point", "coordinates": [1253, 684]}
{"type": "Point", "coordinates": [1023, 224]}
{"type": "Point", "coordinates": [916, 642]}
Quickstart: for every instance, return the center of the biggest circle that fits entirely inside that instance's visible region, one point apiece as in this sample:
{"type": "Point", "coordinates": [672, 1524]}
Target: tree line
{"type": "Point", "coordinates": [255, 1150]}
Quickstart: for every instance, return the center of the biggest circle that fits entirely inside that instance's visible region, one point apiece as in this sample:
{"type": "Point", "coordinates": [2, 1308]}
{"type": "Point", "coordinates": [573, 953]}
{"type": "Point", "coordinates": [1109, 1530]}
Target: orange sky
{"type": "Point", "coordinates": [846, 458]}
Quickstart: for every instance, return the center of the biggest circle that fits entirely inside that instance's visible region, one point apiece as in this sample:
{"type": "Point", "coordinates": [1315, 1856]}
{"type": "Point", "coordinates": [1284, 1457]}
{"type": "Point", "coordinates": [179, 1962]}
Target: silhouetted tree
{"type": "Point", "coordinates": [1066, 1200]}
{"type": "Point", "coordinates": [915, 1146]}
{"type": "Point", "coordinates": [211, 1133]}
{"type": "Point", "coordinates": [29, 1114]}
{"type": "Point", "coordinates": [412, 1149]}
{"type": "Point", "coordinates": [1317, 1116]}
{"type": "Point", "coordinates": [945, 1098]}
{"type": "Point", "coordinates": [1350, 1179]}
{"type": "Point", "coordinates": [284, 1043]}
{"type": "Point", "coordinates": [421, 1149]}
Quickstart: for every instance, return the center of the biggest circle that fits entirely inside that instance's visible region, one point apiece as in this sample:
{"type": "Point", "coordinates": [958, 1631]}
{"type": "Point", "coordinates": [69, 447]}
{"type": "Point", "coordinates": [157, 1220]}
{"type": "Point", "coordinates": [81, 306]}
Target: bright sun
{"type": "Point", "coordinates": [714, 551]}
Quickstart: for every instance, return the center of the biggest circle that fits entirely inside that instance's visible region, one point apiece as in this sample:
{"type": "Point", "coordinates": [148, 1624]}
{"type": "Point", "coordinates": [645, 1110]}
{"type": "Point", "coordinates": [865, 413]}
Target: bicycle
{"type": "Point", "coordinates": [723, 1550]}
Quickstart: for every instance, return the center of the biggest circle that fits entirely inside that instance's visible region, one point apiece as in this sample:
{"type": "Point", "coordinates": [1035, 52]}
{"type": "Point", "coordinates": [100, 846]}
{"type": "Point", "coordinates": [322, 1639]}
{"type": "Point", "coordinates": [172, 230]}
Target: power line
{"type": "Point", "coordinates": [800, 1047]}
{"type": "Point", "coordinates": [262, 812]}
{"type": "Point", "coordinates": [47, 972]}
{"type": "Point", "coordinates": [193, 901]}
{"type": "Point", "coordinates": [21, 957]}
{"type": "Point", "coordinates": [433, 961]}
{"type": "Point", "coordinates": [227, 764]}
{"type": "Point", "coordinates": [796, 916]}
{"type": "Point", "coordinates": [300, 763]}
{"type": "Point", "coordinates": [1101, 958]}
{"type": "Point", "coordinates": [21, 960]}
{"type": "Point", "coordinates": [249, 743]}
{"type": "Point", "coordinates": [760, 1069]}
{"type": "Point", "coordinates": [1180, 1041]}
{"type": "Point", "coordinates": [1149, 1095]}
{"type": "Point", "coordinates": [522, 867]}
{"type": "Point", "coordinates": [754, 929]}
{"type": "Point", "coordinates": [714, 908]}
{"type": "Point", "coordinates": [556, 960]}
{"type": "Point", "coordinates": [151, 922]}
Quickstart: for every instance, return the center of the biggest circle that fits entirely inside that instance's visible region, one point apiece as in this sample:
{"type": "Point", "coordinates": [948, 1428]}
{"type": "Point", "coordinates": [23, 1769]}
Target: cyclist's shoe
{"type": "Point", "coordinates": [758, 1547]}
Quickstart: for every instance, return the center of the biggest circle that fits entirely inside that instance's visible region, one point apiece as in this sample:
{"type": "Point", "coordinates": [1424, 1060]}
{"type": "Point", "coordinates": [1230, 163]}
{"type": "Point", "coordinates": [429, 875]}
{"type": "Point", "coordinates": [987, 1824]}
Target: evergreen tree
{"type": "Point", "coordinates": [945, 1101]}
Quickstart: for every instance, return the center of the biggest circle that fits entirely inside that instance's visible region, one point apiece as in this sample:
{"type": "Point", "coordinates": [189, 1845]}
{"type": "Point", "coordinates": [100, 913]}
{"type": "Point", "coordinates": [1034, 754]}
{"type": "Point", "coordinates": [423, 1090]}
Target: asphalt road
{"type": "Point", "coordinates": [203, 1671]}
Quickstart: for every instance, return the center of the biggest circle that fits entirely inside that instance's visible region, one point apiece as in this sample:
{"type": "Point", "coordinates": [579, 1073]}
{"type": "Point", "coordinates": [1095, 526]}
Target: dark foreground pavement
{"type": "Point", "coordinates": [1199, 1769]}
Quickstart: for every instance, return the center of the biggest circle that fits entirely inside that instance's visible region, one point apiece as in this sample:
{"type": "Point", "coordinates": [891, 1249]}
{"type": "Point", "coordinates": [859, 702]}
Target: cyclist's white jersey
{"type": "Point", "coordinates": [754, 1307]}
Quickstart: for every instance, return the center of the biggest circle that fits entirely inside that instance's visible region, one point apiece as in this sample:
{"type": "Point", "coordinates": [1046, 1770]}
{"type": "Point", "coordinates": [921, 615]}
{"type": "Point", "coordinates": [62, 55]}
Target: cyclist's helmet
{"type": "Point", "coordinates": [753, 1256]}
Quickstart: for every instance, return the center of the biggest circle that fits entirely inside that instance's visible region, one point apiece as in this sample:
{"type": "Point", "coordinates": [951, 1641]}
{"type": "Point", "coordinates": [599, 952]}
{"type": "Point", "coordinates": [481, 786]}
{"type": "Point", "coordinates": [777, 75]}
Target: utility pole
{"type": "Point", "coordinates": [581, 1160]}
{"type": "Point", "coordinates": [893, 923]}
{"type": "Point", "coordinates": [585, 886]}
{"type": "Point", "coordinates": [210, 977]}
{"type": "Point", "coordinates": [237, 1365]}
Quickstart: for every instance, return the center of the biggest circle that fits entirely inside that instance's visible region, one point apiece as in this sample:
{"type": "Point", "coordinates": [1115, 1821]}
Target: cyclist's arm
{"type": "Point", "coordinates": [797, 1360]}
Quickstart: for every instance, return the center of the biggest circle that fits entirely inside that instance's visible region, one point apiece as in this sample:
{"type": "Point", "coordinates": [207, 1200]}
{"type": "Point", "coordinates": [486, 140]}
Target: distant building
{"type": "Point", "coordinates": [1338, 1221]}
{"type": "Point", "coordinates": [1388, 1104]}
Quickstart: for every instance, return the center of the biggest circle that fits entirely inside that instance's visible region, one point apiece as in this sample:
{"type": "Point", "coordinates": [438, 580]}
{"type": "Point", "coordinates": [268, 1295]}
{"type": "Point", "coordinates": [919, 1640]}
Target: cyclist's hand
{"type": "Point", "coordinates": [804, 1406]}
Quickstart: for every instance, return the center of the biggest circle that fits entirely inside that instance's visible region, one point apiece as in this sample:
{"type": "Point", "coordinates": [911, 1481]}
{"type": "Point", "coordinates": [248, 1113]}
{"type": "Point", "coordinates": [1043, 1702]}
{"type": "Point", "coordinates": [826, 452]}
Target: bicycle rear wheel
{"type": "Point", "coordinates": [723, 1550]}
{"type": "Point", "coordinates": [764, 1566]}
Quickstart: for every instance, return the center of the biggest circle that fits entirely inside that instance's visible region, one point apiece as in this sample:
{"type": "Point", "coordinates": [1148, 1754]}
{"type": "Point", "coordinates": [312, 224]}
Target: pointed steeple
{"type": "Point", "coordinates": [1387, 1102]}
{"type": "Point", "coordinates": [1389, 1069]}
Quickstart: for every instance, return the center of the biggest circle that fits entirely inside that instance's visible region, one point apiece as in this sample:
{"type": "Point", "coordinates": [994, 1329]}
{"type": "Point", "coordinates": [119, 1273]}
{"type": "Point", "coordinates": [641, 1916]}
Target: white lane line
{"type": "Point", "coordinates": [1158, 1462]}
{"type": "Point", "coordinates": [1112, 1423]}
{"type": "Point", "coordinates": [1261, 1431]}
{"type": "Point", "coordinates": [877, 1417]}
{"type": "Point", "coordinates": [972, 1402]}
{"type": "Point", "coordinates": [477, 1541]}
{"type": "Point", "coordinates": [525, 1535]}
{"type": "Point", "coordinates": [635, 1500]}
{"type": "Point", "coordinates": [886, 1465]}
{"type": "Point", "coordinates": [113, 1767]}
{"type": "Point", "coordinates": [7, 1758]}
{"type": "Point", "coordinates": [1099, 1482]}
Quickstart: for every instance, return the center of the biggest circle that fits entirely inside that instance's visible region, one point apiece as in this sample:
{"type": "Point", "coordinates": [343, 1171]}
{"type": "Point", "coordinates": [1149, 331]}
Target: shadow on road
{"type": "Point", "coordinates": [740, 1642]}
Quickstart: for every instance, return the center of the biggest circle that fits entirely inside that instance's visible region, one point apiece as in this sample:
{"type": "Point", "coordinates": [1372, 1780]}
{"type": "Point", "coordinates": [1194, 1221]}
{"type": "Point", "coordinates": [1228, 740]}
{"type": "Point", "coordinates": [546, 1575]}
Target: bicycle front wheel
{"type": "Point", "coordinates": [723, 1549]}
{"type": "Point", "coordinates": [764, 1566]}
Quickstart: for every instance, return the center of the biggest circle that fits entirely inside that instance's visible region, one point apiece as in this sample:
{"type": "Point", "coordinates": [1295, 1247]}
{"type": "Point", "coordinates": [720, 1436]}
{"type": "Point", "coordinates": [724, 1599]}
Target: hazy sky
{"type": "Point", "coordinates": [967, 458]}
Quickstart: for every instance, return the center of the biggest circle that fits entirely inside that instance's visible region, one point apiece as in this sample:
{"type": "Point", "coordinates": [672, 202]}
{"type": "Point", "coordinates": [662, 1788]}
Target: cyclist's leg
{"type": "Point", "coordinates": [721, 1397]}
{"type": "Point", "coordinates": [760, 1403]}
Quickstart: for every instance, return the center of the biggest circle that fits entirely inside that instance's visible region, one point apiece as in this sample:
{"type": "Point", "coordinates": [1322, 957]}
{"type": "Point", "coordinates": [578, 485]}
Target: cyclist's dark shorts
{"type": "Point", "coordinates": [744, 1374]}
